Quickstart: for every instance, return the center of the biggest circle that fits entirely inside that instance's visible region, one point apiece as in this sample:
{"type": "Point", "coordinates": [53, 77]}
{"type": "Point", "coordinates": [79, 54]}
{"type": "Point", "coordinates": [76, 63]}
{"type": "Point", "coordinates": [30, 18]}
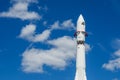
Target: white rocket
{"type": "Point", "coordinates": [80, 56]}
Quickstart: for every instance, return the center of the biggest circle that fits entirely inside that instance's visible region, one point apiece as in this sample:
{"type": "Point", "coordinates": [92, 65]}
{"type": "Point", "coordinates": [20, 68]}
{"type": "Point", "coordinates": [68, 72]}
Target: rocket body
{"type": "Point", "coordinates": [80, 56]}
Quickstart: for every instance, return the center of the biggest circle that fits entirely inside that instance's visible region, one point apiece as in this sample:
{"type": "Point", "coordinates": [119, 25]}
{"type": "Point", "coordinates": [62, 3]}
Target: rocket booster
{"type": "Point", "coordinates": [80, 57]}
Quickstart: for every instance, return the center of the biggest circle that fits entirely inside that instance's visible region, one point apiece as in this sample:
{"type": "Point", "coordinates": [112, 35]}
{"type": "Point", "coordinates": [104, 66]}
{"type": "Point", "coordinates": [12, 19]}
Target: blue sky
{"type": "Point", "coordinates": [37, 40]}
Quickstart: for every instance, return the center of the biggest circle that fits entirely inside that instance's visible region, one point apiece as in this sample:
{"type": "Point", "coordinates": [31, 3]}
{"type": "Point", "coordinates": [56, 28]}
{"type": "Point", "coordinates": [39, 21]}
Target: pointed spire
{"type": "Point", "coordinates": [80, 19]}
{"type": "Point", "coordinates": [80, 23]}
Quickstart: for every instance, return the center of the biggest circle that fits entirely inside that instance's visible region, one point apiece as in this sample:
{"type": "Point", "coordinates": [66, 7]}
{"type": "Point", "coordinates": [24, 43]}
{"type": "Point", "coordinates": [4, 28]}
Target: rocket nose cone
{"type": "Point", "coordinates": [81, 23]}
{"type": "Point", "coordinates": [80, 19]}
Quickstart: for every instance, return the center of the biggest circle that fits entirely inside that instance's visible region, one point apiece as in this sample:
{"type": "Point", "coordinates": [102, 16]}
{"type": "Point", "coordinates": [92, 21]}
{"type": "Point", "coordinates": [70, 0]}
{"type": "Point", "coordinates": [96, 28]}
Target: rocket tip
{"type": "Point", "coordinates": [81, 18]}
{"type": "Point", "coordinates": [81, 15]}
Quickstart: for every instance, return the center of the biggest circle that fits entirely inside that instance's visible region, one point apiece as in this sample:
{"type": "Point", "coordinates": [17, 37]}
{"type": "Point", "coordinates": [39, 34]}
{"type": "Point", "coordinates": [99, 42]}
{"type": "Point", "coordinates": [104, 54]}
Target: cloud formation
{"type": "Point", "coordinates": [115, 63]}
{"type": "Point", "coordinates": [27, 1]}
{"type": "Point", "coordinates": [87, 47]}
{"type": "Point", "coordinates": [20, 10]}
{"type": "Point", "coordinates": [58, 57]}
{"type": "Point", "coordinates": [67, 24]}
{"type": "Point", "coordinates": [28, 33]}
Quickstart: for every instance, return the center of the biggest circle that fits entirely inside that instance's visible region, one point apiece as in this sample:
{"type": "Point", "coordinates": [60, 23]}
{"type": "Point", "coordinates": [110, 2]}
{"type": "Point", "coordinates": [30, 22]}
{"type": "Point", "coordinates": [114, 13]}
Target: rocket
{"type": "Point", "coordinates": [80, 56]}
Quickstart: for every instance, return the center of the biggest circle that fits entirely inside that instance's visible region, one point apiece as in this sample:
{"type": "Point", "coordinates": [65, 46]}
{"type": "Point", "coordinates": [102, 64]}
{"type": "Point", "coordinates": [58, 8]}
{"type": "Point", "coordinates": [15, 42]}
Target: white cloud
{"type": "Point", "coordinates": [67, 24]}
{"type": "Point", "coordinates": [112, 64]}
{"type": "Point", "coordinates": [45, 8]}
{"type": "Point", "coordinates": [20, 10]}
{"type": "Point", "coordinates": [87, 47]}
{"type": "Point", "coordinates": [42, 37]}
{"type": "Point", "coordinates": [115, 63]}
{"type": "Point", "coordinates": [117, 53]}
{"type": "Point", "coordinates": [55, 25]}
{"type": "Point", "coordinates": [28, 33]}
{"type": "Point", "coordinates": [58, 57]}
